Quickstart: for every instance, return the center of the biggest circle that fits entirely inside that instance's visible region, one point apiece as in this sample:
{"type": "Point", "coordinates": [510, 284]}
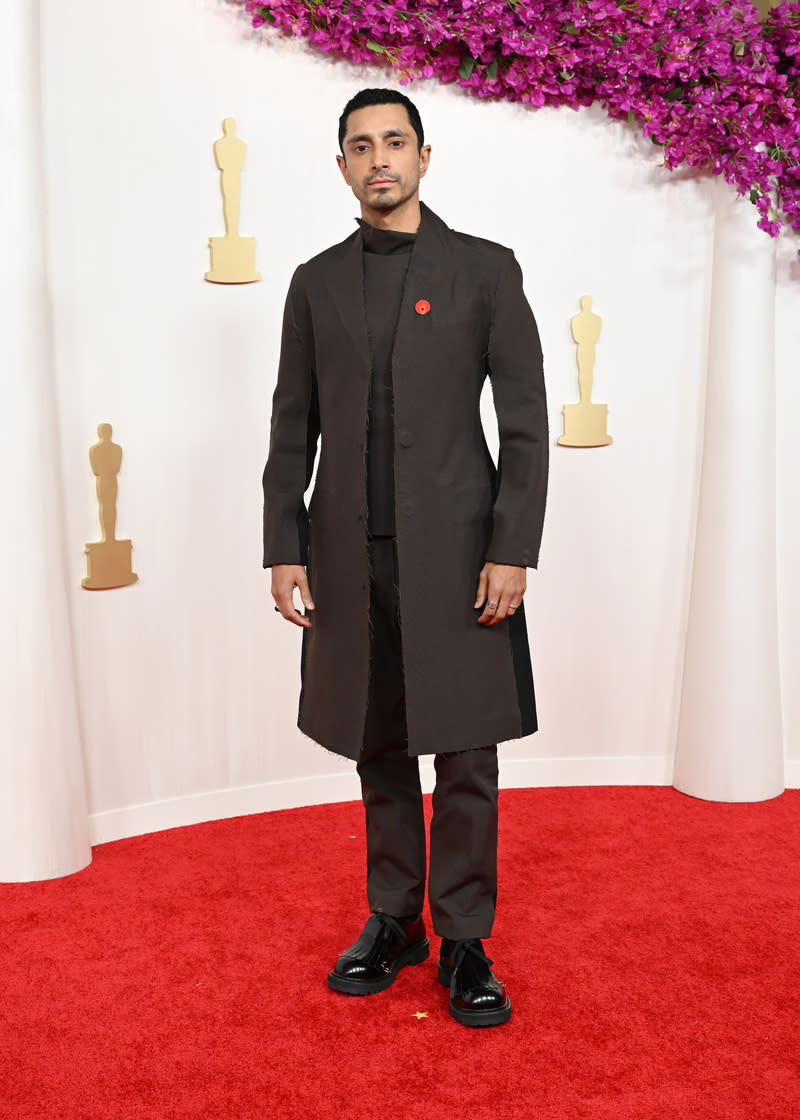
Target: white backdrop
{"type": "Point", "coordinates": [184, 687]}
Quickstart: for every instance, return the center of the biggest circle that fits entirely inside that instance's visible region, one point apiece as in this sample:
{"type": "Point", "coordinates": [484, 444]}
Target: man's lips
{"type": "Point", "coordinates": [381, 182]}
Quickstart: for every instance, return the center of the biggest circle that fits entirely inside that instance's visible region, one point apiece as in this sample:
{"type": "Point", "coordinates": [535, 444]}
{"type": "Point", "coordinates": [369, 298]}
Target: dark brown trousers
{"type": "Point", "coordinates": [462, 884]}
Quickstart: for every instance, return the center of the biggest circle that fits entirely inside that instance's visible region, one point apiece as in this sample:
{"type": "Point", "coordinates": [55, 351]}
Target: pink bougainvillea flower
{"type": "Point", "coordinates": [707, 80]}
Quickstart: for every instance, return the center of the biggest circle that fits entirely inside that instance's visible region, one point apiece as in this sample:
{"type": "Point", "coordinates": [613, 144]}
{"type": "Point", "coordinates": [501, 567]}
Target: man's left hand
{"type": "Point", "coordinates": [501, 587]}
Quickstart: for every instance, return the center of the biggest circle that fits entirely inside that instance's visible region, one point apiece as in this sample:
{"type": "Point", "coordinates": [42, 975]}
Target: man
{"type": "Point", "coordinates": [412, 554]}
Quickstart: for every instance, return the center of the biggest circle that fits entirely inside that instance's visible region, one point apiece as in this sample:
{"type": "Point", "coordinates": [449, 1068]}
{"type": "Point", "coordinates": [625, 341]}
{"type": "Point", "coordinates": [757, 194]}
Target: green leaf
{"type": "Point", "coordinates": [738, 48]}
{"type": "Point", "coordinates": [467, 66]}
{"type": "Point", "coordinates": [491, 69]}
{"type": "Point", "coordinates": [674, 93]}
{"type": "Point", "coordinates": [373, 46]}
{"type": "Point", "coordinates": [631, 117]}
{"type": "Point", "coordinates": [618, 40]}
{"type": "Point", "coordinates": [776, 152]}
{"type": "Point", "coordinates": [268, 15]}
{"type": "Point", "coordinates": [570, 28]}
{"type": "Point", "coordinates": [755, 194]}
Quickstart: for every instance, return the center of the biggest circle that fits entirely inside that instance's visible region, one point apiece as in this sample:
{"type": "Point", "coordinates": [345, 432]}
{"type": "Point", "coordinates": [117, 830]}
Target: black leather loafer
{"type": "Point", "coordinates": [385, 946]}
{"type": "Point", "coordinates": [477, 997]}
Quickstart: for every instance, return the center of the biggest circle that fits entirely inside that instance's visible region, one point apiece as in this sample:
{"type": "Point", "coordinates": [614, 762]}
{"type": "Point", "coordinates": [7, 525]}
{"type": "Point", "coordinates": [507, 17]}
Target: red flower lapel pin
{"type": "Point", "coordinates": [422, 307]}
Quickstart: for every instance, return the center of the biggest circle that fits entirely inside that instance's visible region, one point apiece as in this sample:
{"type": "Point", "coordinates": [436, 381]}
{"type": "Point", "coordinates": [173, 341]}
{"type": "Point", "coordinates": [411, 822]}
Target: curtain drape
{"type": "Point", "coordinates": [174, 700]}
{"type": "Point", "coordinates": [44, 829]}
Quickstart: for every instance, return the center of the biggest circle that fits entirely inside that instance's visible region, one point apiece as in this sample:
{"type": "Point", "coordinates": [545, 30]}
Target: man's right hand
{"type": "Point", "coordinates": [285, 577]}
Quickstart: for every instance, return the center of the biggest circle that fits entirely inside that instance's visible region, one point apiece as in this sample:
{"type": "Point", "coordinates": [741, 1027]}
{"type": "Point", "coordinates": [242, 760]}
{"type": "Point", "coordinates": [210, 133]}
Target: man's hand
{"type": "Point", "coordinates": [285, 577]}
{"type": "Point", "coordinates": [504, 584]}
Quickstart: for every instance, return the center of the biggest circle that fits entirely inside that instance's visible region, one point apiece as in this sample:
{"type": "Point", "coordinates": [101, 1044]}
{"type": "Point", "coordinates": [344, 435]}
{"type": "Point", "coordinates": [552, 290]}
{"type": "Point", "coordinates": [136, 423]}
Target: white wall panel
{"type": "Point", "coordinates": [188, 680]}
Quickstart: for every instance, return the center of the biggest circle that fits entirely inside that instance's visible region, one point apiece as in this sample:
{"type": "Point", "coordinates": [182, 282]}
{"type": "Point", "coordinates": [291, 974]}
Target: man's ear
{"type": "Point", "coordinates": [343, 168]}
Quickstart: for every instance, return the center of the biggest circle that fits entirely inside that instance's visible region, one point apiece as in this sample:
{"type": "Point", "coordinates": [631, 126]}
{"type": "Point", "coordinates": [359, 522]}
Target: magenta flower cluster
{"type": "Point", "coordinates": [707, 80]}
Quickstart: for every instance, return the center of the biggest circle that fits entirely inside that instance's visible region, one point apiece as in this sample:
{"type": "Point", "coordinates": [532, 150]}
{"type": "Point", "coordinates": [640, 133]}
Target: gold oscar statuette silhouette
{"type": "Point", "coordinates": [585, 424]}
{"type": "Point", "coordinates": [233, 258]}
{"type": "Point", "coordinates": [108, 561]}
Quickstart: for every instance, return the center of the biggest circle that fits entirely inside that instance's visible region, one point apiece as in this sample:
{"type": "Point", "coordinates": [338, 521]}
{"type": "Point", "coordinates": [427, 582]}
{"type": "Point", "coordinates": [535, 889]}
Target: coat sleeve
{"type": "Point", "coordinates": [294, 433]}
{"type": "Point", "coordinates": [516, 371]}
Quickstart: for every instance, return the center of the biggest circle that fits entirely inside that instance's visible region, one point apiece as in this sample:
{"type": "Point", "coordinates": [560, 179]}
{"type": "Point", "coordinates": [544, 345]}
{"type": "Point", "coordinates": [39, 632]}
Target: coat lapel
{"type": "Point", "coordinates": [424, 280]}
{"type": "Point", "coordinates": [346, 293]}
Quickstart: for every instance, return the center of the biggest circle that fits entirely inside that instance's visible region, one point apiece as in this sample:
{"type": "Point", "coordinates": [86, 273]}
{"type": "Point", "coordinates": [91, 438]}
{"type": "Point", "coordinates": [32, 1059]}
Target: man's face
{"type": "Point", "coordinates": [381, 163]}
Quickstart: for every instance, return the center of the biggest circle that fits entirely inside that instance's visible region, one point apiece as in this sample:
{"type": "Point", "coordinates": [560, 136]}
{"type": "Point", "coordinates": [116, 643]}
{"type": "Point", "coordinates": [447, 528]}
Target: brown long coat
{"type": "Point", "coordinates": [466, 685]}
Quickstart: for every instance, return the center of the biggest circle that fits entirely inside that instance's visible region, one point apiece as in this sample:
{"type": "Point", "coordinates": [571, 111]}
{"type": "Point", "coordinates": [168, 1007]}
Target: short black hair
{"type": "Point", "coordinates": [381, 97]}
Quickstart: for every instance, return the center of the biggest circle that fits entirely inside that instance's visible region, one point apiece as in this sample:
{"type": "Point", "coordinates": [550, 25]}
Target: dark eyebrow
{"type": "Point", "coordinates": [384, 135]}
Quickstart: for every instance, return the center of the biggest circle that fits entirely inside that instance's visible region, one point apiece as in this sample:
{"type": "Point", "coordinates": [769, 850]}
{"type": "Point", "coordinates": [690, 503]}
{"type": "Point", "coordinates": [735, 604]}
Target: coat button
{"type": "Point", "coordinates": [405, 439]}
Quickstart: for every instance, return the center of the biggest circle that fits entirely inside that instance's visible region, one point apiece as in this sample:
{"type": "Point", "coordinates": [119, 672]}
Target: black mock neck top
{"type": "Point", "coordinates": [386, 256]}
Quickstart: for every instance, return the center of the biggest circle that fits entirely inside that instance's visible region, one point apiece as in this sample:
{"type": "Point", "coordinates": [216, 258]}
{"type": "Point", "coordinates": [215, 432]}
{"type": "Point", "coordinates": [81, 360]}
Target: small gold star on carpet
{"type": "Point", "coordinates": [420, 1014]}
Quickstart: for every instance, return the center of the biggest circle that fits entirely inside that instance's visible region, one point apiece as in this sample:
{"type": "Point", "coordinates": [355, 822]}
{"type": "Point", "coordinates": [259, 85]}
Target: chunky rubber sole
{"type": "Point", "coordinates": [416, 953]}
{"type": "Point", "coordinates": [491, 1018]}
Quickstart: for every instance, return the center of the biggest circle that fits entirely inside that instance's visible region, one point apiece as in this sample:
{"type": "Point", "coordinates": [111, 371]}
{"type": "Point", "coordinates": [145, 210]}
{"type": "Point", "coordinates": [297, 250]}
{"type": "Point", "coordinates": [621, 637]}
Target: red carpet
{"type": "Point", "coordinates": [649, 942]}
